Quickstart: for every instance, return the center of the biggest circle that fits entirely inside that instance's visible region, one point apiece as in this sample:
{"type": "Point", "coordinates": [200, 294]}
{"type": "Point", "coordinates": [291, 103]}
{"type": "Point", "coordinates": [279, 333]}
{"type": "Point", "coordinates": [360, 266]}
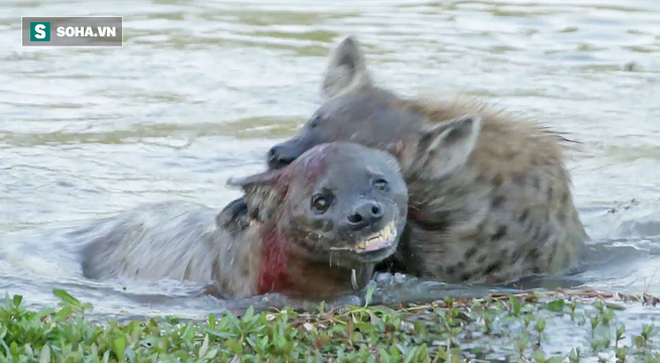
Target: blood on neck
{"type": "Point", "coordinates": [274, 273]}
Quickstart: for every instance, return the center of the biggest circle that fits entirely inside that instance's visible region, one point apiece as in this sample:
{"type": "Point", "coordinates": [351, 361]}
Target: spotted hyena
{"type": "Point", "coordinates": [312, 230]}
{"type": "Point", "coordinates": [490, 197]}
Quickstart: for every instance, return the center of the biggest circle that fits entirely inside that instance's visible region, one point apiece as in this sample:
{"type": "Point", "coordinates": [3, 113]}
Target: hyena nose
{"type": "Point", "coordinates": [365, 214]}
{"type": "Point", "coordinates": [280, 156]}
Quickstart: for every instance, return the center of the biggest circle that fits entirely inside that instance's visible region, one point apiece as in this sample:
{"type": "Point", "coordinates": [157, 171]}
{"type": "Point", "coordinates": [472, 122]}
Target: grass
{"type": "Point", "coordinates": [528, 327]}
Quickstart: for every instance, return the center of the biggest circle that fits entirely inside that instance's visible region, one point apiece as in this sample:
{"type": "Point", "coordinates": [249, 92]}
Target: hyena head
{"type": "Point", "coordinates": [339, 203]}
{"type": "Point", "coordinates": [357, 111]}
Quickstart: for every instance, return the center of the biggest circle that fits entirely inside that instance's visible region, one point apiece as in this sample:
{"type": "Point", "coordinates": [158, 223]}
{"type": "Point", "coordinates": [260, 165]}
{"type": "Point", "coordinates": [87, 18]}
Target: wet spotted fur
{"type": "Point", "coordinates": [490, 196]}
{"type": "Point", "coordinates": [505, 213]}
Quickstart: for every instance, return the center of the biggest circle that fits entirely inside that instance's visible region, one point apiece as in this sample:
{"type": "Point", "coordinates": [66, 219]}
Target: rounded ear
{"type": "Point", "coordinates": [261, 193]}
{"type": "Point", "coordinates": [459, 130]}
{"type": "Point", "coordinates": [447, 146]}
{"type": "Point", "coordinates": [346, 70]}
{"type": "Point", "coordinates": [395, 148]}
{"type": "Point", "coordinates": [230, 214]}
{"type": "Point", "coordinates": [269, 177]}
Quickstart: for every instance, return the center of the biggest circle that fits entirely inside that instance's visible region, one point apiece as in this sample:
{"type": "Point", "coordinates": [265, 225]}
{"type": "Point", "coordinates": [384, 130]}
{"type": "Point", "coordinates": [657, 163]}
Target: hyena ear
{"type": "Point", "coordinates": [395, 149]}
{"type": "Point", "coordinates": [447, 146]}
{"type": "Point", "coordinates": [347, 69]}
{"type": "Point", "coordinates": [231, 213]}
{"type": "Point", "coordinates": [262, 194]}
{"type": "Point", "coordinates": [269, 177]}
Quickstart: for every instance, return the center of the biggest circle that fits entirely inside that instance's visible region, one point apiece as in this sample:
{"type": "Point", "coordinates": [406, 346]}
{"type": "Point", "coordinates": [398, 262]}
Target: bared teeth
{"type": "Point", "coordinates": [378, 240]}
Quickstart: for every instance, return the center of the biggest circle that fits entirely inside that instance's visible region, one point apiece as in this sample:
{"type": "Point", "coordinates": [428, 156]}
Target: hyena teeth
{"type": "Point", "coordinates": [379, 239]}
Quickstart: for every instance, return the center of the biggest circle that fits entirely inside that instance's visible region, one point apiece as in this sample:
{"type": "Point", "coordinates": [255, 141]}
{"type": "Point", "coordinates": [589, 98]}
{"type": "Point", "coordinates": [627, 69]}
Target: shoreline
{"type": "Point", "coordinates": [549, 326]}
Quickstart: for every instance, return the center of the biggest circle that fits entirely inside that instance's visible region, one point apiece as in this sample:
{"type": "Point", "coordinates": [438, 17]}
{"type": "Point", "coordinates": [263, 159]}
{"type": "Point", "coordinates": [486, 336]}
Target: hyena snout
{"type": "Point", "coordinates": [365, 214]}
{"type": "Point", "coordinates": [282, 155]}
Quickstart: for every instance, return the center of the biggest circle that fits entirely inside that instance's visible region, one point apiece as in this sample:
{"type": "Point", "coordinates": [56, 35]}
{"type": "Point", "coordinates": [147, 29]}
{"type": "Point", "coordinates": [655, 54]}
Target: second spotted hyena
{"type": "Point", "coordinates": [312, 230]}
{"type": "Point", "coordinates": [490, 197]}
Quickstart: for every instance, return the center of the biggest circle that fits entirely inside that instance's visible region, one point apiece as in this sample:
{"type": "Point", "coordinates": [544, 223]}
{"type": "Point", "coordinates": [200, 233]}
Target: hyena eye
{"type": "Point", "coordinates": [314, 122]}
{"type": "Point", "coordinates": [381, 184]}
{"type": "Point", "coordinates": [320, 203]}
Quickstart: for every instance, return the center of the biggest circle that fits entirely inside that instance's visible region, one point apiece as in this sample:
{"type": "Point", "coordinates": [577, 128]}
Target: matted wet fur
{"type": "Point", "coordinates": [312, 230]}
{"type": "Point", "coordinates": [490, 197]}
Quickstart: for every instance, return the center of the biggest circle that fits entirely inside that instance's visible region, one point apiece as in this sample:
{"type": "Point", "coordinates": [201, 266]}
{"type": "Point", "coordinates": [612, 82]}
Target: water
{"type": "Point", "coordinates": [200, 90]}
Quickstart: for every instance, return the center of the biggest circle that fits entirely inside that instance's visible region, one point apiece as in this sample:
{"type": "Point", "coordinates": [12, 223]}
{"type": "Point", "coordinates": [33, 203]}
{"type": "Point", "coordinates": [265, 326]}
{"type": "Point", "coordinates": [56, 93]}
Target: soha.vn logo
{"type": "Point", "coordinates": [72, 31]}
{"type": "Point", "coordinates": [86, 31]}
{"type": "Point", "coordinates": [40, 31]}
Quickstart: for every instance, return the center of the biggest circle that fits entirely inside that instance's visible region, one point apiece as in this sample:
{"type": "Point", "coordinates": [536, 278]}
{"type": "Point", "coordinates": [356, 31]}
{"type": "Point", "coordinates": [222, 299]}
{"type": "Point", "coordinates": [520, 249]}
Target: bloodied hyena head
{"type": "Point", "coordinates": [490, 197]}
{"type": "Point", "coordinates": [313, 229]}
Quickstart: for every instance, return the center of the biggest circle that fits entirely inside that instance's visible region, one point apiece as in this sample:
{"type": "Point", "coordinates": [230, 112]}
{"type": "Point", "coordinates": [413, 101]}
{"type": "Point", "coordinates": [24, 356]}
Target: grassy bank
{"type": "Point", "coordinates": [525, 327]}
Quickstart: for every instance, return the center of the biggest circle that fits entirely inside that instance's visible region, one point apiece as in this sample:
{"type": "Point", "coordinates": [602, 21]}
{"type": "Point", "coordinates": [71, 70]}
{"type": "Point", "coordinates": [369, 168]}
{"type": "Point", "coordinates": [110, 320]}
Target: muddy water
{"type": "Point", "coordinates": [200, 90]}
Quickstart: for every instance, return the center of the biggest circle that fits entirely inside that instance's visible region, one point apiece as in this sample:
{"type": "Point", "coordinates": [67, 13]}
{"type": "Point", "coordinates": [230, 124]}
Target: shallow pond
{"type": "Point", "coordinates": [200, 90]}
